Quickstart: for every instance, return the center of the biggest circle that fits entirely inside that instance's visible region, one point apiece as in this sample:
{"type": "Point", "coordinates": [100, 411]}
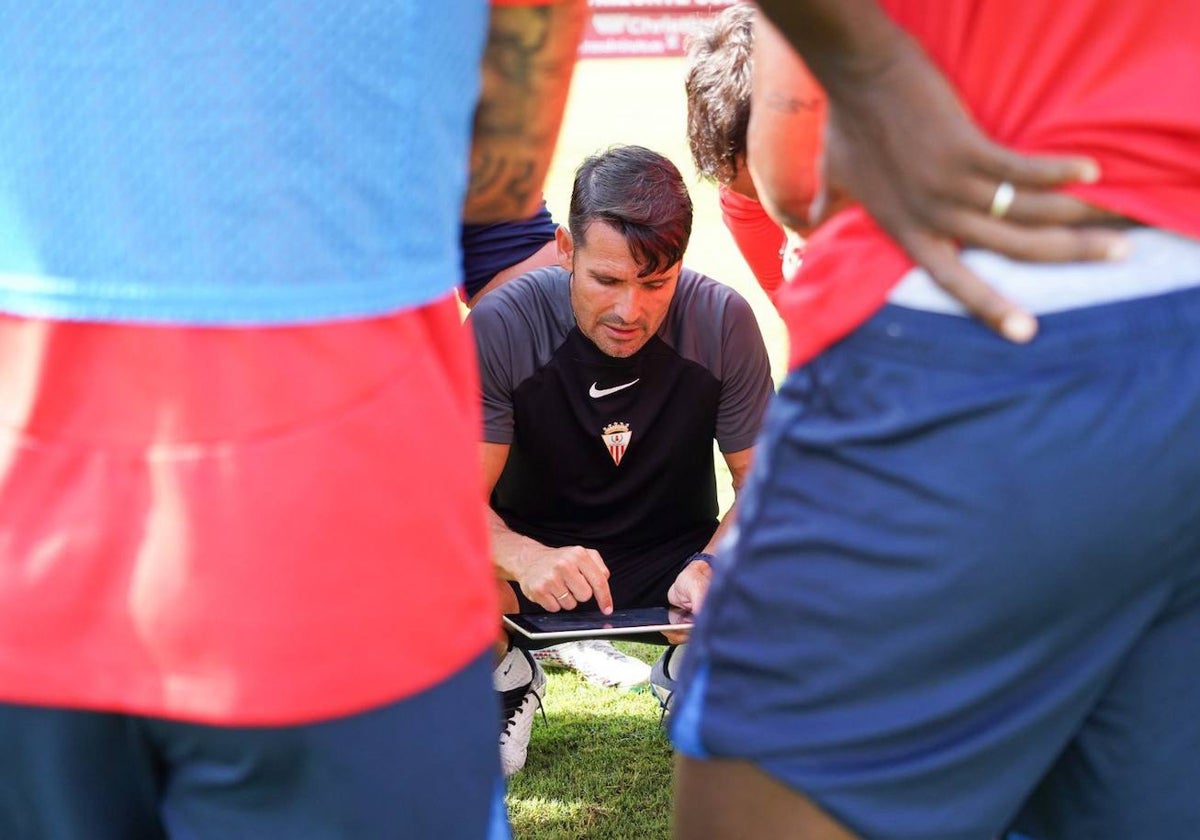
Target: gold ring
{"type": "Point", "coordinates": [1002, 200]}
{"type": "Point", "coordinates": [564, 595]}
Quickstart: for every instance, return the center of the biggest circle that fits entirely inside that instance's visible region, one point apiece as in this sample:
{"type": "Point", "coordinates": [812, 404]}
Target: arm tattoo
{"type": "Point", "coordinates": [779, 101]}
{"type": "Point", "coordinates": [498, 184]}
{"type": "Point", "coordinates": [527, 67]}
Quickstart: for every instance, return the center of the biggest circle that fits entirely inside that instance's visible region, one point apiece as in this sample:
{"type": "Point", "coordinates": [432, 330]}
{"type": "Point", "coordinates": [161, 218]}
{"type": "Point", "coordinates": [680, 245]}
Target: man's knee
{"type": "Point", "coordinates": [508, 598]}
{"type": "Point", "coordinates": [722, 799]}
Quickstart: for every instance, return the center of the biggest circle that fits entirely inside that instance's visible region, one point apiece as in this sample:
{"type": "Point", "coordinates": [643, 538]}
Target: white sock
{"type": "Point", "coordinates": [513, 671]}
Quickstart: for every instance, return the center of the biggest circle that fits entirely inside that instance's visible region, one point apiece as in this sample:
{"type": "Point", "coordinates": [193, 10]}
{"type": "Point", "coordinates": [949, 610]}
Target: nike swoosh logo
{"type": "Point", "coordinates": [596, 393]}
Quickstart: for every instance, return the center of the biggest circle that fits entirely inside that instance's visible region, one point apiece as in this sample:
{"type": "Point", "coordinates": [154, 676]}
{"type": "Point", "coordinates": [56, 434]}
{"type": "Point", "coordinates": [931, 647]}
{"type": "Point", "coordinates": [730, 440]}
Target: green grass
{"type": "Point", "coordinates": [599, 764]}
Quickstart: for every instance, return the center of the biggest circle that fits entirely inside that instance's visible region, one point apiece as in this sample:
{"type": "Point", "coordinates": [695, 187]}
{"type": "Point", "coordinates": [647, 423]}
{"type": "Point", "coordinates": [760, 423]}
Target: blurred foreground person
{"type": "Point", "coordinates": [244, 578]}
{"type": "Point", "coordinates": [965, 593]}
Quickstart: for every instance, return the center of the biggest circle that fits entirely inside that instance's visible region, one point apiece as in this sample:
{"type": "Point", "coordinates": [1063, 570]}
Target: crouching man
{"type": "Point", "coordinates": [605, 380]}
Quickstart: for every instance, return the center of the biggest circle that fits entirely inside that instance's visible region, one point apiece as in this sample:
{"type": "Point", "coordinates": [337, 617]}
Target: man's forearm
{"type": "Point", "coordinates": [690, 586]}
{"type": "Point", "coordinates": [727, 522]}
{"type": "Point", "coordinates": [510, 550]}
{"type": "Point", "coordinates": [786, 123]}
{"type": "Point", "coordinates": [840, 40]}
{"type": "Point", "coordinates": [553, 578]}
{"type": "Point", "coordinates": [527, 67]}
{"type": "Point", "coordinates": [739, 464]}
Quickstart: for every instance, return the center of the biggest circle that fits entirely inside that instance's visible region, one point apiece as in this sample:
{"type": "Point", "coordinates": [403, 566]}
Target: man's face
{"type": "Point", "coordinates": [615, 308]}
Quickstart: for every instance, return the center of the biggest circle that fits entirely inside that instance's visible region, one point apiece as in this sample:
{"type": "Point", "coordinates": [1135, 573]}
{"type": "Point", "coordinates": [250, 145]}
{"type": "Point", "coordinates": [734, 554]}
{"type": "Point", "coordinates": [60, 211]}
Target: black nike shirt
{"type": "Point", "coordinates": [616, 454]}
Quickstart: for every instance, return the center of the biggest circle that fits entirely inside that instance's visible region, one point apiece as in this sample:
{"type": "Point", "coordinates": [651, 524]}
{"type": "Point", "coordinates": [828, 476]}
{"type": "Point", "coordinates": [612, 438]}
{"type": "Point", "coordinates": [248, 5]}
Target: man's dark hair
{"type": "Point", "coordinates": [642, 195]}
{"type": "Point", "coordinates": [718, 85]}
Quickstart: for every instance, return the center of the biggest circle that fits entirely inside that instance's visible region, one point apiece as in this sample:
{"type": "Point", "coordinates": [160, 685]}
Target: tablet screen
{"type": "Point", "coordinates": [596, 623]}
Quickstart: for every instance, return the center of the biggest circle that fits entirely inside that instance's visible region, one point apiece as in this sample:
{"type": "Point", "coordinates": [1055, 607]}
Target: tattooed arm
{"type": "Point", "coordinates": [527, 68]}
{"type": "Point", "coordinates": [786, 122]}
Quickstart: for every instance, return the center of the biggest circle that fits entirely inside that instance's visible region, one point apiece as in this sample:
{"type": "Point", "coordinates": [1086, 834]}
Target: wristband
{"type": "Point", "coordinates": [699, 555]}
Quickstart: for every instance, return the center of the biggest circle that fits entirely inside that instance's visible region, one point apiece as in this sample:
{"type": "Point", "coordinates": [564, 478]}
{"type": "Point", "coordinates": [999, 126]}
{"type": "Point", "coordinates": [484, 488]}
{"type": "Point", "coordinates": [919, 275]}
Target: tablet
{"type": "Point", "coordinates": [570, 624]}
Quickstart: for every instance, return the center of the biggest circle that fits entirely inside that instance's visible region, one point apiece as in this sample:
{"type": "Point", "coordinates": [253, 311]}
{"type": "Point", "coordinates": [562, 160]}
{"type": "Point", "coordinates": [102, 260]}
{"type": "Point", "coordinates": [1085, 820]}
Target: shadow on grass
{"type": "Point", "coordinates": [599, 766]}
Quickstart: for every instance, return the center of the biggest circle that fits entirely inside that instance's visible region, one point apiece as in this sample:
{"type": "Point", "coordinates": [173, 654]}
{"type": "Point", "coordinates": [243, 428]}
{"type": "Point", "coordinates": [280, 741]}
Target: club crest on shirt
{"type": "Point", "coordinates": [616, 437]}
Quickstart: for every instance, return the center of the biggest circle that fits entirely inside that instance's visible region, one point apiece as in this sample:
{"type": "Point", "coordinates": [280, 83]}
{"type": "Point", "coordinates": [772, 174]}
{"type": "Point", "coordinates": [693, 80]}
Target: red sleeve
{"type": "Point", "coordinates": [757, 236]}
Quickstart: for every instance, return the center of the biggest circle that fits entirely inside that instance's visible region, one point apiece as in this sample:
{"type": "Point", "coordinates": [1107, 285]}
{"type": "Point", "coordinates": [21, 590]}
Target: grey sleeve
{"type": "Point", "coordinates": [517, 329]}
{"type": "Point", "coordinates": [746, 386]}
{"type": "Point", "coordinates": [494, 344]}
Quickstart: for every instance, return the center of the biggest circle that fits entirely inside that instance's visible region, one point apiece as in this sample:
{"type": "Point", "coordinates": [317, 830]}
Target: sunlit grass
{"type": "Point", "coordinates": [599, 764]}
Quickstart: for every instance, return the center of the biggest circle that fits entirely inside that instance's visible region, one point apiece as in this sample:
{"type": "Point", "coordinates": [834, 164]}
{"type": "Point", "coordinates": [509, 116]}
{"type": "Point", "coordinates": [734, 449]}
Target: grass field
{"type": "Point", "coordinates": [600, 764]}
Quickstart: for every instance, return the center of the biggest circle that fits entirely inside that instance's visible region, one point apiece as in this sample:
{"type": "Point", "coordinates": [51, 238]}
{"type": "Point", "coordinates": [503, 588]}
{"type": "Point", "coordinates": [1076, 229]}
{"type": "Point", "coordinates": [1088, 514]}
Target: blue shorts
{"type": "Point", "coordinates": [965, 591]}
{"type": "Point", "coordinates": [426, 766]}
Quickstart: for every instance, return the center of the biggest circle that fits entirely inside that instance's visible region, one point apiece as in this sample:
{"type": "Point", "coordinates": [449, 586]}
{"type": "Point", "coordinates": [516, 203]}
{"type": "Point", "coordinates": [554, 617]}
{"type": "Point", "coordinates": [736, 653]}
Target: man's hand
{"type": "Point", "coordinates": [563, 578]}
{"type": "Point", "coordinates": [901, 143]}
{"type": "Point", "coordinates": [688, 592]}
{"type": "Point", "coordinates": [554, 578]}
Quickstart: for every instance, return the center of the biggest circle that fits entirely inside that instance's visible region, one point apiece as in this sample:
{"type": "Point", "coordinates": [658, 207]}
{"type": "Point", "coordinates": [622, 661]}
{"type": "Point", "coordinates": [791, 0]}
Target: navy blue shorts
{"type": "Point", "coordinates": [965, 591]}
{"type": "Point", "coordinates": [426, 766]}
{"type": "Point", "coordinates": [489, 249]}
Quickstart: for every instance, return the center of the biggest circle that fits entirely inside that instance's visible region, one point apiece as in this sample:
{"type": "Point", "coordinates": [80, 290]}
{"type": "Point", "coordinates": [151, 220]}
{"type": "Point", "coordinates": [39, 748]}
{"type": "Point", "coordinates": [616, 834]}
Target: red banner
{"type": "Point", "coordinates": [627, 28]}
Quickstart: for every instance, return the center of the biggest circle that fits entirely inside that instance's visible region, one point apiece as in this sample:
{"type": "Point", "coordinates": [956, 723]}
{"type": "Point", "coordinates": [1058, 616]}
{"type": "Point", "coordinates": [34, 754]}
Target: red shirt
{"type": "Point", "coordinates": [1115, 80]}
{"type": "Point", "coordinates": [260, 526]}
{"type": "Point", "coordinates": [757, 235]}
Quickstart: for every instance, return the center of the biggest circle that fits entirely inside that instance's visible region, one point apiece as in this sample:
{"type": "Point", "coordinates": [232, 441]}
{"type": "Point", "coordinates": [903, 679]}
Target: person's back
{"type": "Point", "coordinates": [228, 249]}
{"type": "Point", "coordinates": [204, 164]}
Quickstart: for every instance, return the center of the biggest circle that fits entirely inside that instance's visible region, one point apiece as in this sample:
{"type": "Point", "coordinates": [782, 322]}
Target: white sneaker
{"type": "Point", "coordinates": [548, 655]}
{"type": "Point", "coordinates": [600, 663]}
{"type": "Point", "coordinates": [662, 678]}
{"type": "Point", "coordinates": [521, 684]}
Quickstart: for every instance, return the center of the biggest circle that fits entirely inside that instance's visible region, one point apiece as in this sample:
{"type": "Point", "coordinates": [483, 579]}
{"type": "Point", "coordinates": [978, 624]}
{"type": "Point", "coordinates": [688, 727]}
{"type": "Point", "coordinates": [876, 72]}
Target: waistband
{"type": "Point", "coordinates": [1160, 262]}
{"type": "Point", "coordinates": [1074, 336]}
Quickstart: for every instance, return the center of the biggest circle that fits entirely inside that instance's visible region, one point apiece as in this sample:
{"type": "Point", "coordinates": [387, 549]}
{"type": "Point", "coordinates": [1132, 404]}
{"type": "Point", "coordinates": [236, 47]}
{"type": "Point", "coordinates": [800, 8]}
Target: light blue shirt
{"type": "Point", "coordinates": [233, 161]}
